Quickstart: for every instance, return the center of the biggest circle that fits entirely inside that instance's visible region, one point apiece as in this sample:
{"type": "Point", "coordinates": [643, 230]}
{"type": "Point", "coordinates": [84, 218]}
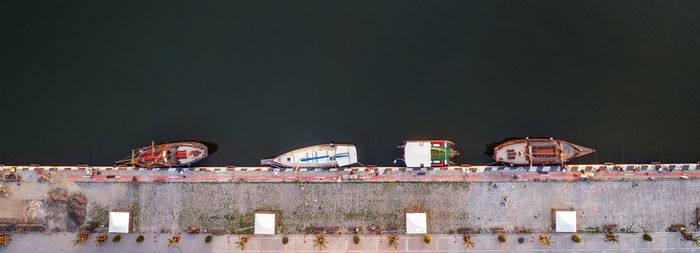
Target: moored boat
{"type": "Point", "coordinates": [428, 153]}
{"type": "Point", "coordinates": [538, 151]}
{"type": "Point", "coordinates": [167, 154]}
{"type": "Point", "coordinates": [317, 156]}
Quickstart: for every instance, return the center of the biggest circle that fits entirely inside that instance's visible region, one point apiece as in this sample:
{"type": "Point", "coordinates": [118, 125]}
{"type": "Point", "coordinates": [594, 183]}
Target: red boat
{"type": "Point", "coordinates": [167, 155]}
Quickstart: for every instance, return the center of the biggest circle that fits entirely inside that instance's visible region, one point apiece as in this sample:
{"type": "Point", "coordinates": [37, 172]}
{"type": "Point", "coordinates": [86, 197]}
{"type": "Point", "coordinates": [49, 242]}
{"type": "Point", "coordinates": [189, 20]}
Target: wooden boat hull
{"type": "Point", "coordinates": [174, 154]}
{"type": "Point", "coordinates": [538, 152]}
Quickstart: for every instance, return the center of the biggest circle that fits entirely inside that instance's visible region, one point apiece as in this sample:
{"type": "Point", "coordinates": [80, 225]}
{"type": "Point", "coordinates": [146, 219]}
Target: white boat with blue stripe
{"type": "Point", "coordinates": [317, 156]}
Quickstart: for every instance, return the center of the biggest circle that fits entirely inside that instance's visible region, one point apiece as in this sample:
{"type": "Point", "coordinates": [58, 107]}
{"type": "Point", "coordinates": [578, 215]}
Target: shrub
{"type": "Point", "coordinates": [139, 239]}
{"type": "Point", "coordinates": [426, 239]}
{"type": "Point", "coordinates": [647, 237]}
{"type": "Point", "coordinates": [576, 238]}
{"type": "Point", "coordinates": [521, 240]}
{"type": "Point", "coordinates": [502, 238]}
{"type": "Point", "coordinates": [116, 238]}
{"type": "Point", "coordinates": [208, 239]}
{"type": "Point", "coordinates": [356, 239]}
{"type": "Point", "coordinates": [285, 240]}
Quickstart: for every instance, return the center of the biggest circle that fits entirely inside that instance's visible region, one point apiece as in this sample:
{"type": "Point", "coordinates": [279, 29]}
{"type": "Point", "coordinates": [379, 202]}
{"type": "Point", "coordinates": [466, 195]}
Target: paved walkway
{"type": "Point", "coordinates": [478, 203]}
{"type": "Point", "coordinates": [375, 174]}
{"type": "Point", "coordinates": [477, 168]}
{"type": "Point", "coordinates": [639, 204]}
{"type": "Point", "coordinates": [60, 242]}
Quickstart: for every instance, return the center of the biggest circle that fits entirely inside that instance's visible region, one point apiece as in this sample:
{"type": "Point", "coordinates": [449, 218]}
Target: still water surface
{"type": "Point", "coordinates": [86, 83]}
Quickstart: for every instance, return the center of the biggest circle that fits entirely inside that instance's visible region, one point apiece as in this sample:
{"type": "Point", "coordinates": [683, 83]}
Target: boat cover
{"type": "Point", "coordinates": [345, 155]}
{"type": "Point", "coordinates": [417, 154]}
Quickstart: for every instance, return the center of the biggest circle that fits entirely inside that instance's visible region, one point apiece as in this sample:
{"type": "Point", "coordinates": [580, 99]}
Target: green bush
{"type": "Point", "coordinates": [502, 238]}
{"type": "Point", "coordinates": [285, 240]}
{"type": "Point", "coordinates": [426, 239]}
{"type": "Point", "coordinates": [647, 237]}
{"type": "Point", "coordinates": [208, 239]}
{"type": "Point", "coordinates": [576, 238]}
{"type": "Point", "coordinates": [116, 238]}
{"type": "Point", "coordinates": [356, 239]}
{"type": "Point", "coordinates": [139, 239]}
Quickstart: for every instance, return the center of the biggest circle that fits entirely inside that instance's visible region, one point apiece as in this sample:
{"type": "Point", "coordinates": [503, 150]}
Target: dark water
{"type": "Point", "coordinates": [86, 82]}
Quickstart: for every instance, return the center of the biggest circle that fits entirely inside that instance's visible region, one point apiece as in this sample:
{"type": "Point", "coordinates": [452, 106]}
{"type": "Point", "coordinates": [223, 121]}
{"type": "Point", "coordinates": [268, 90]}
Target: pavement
{"type": "Point", "coordinates": [169, 200]}
{"type": "Point", "coordinates": [590, 242]}
{"type": "Point", "coordinates": [375, 174]}
{"type": "Point", "coordinates": [171, 207]}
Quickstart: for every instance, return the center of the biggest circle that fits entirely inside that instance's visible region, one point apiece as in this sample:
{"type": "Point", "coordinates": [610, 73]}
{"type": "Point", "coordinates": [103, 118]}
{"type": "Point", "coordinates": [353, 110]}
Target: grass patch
{"type": "Point", "coordinates": [98, 217]}
{"type": "Point", "coordinates": [593, 229]}
{"type": "Point", "coordinates": [627, 230]}
{"type": "Point", "coordinates": [135, 210]}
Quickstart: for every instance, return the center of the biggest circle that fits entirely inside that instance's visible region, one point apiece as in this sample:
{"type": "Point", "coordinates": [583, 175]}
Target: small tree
{"type": "Point", "coordinates": [139, 239]}
{"type": "Point", "coordinates": [392, 241]}
{"type": "Point", "coordinates": [100, 240]}
{"type": "Point", "coordinates": [502, 238]}
{"type": "Point", "coordinates": [241, 243]}
{"type": "Point", "coordinates": [208, 239]}
{"type": "Point", "coordinates": [116, 238]}
{"type": "Point", "coordinates": [171, 242]}
{"type": "Point", "coordinates": [612, 238]}
{"type": "Point", "coordinates": [576, 238]}
{"type": "Point", "coordinates": [647, 237]}
{"type": "Point", "coordinates": [78, 241]}
{"type": "Point", "coordinates": [426, 239]}
{"type": "Point", "coordinates": [546, 240]}
{"type": "Point", "coordinates": [320, 242]}
{"type": "Point", "coordinates": [695, 241]}
{"type": "Point", "coordinates": [468, 241]}
{"type": "Point", "coordinates": [356, 239]}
